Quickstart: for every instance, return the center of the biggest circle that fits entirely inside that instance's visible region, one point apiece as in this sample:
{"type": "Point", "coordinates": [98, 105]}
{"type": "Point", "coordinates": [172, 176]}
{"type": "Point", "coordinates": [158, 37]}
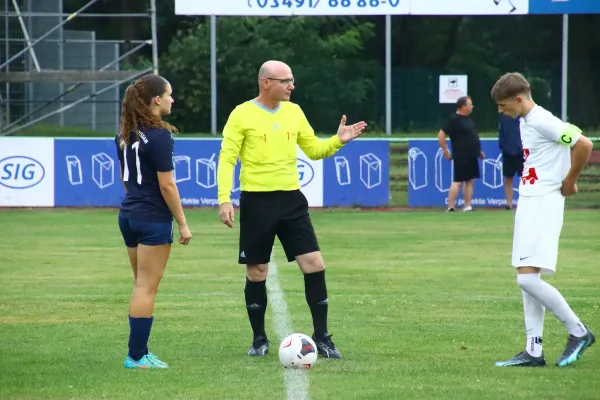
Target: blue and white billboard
{"type": "Point", "coordinates": [430, 176]}
{"type": "Point", "coordinates": [86, 173]}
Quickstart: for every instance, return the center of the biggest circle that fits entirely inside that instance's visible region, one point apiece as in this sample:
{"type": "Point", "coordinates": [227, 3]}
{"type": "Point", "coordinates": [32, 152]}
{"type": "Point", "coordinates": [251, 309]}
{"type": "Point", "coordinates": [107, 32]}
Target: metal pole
{"type": "Point", "coordinates": [36, 64]}
{"type": "Point", "coordinates": [7, 55]}
{"type": "Point", "coordinates": [154, 37]}
{"type": "Point", "coordinates": [61, 66]}
{"type": "Point", "coordinates": [565, 67]}
{"type": "Point", "coordinates": [18, 40]}
{"type": "Point", "coordinates": [73, 87]}
{"type": "Point", "coordinates": [117, 92]}
{"type": "Point", "coordinates": [93, 50]}
{"type": "Point", "coordinates": [388, 74]}
{"type": "Point", "coordinates": [69, 106]}
{"type": "Point", "coordinates": [45, 35]}
{"type": "Point", "coordinates": [60, 14]}
{"type": "Point", "coordinates": [213, 74]}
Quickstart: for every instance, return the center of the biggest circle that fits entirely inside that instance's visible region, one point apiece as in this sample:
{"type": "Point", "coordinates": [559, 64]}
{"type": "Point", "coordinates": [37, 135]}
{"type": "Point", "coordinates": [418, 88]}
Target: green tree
{"type": "Point", "coordinates": [324, 54]}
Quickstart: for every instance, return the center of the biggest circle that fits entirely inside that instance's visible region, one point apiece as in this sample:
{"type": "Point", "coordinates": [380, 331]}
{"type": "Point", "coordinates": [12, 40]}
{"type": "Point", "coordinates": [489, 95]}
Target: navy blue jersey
{"type": "Point", "coordinates": [140, 161]}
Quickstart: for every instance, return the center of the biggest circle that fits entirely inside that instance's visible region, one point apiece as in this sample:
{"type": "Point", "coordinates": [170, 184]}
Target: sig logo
{"type": "Point", "coordinates": [306, 173]}
{"type": "Point", "coordinates": [20, 172]}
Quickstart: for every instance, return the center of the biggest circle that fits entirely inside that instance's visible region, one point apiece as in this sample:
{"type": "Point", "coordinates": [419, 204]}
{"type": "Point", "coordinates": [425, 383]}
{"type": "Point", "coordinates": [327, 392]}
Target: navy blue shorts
{"type": "Point", "coordinates": [146, 233]}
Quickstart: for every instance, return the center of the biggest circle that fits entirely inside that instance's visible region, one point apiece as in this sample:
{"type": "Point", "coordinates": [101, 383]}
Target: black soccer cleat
{"type": "Point", "coordinates": [523, 359]}
{"type": "Point", "coordinates": [326, 347]}
{"type": "Point", "coordinates": [575, 348]}
{"type": "Point", "coordinates": [260, 347]}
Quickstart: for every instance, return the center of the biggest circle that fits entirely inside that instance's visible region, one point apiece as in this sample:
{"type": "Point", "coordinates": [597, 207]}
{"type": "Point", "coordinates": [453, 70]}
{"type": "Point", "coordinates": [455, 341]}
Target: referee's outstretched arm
{"type": "Point", "coordinates": [317, 149]}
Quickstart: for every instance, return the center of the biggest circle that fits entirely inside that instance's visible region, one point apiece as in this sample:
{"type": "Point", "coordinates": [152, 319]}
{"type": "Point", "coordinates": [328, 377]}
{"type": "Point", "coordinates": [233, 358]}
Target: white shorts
{"type": "Point", "coordinates": [538, 222]}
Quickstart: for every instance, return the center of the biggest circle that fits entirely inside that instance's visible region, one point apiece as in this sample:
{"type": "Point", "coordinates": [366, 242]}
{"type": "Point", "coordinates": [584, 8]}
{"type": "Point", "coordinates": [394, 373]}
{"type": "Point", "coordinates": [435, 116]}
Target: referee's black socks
{"type": "Point", "coordinates": [256, 304]}
{"type": "Point", "coordinates": [316, 297]}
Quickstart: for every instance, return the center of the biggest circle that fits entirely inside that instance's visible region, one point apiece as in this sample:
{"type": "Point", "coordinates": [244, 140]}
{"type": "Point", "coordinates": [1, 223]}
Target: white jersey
{"type": "Point", "coordinates": [546, 149]}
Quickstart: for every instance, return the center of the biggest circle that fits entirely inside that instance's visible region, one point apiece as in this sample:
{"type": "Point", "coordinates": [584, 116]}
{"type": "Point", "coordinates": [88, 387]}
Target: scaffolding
{"type": "Point", "coordinates": [61, 77]}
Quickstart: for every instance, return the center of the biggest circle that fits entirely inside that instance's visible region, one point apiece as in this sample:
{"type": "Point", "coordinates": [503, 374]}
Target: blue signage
{"type": "Point", "coordinates": [358, 174]}
{"type": "Point", "coordinates": [430, 176]}
{"type": "Point", "coordinates": [87, 174]}
{"type": "Point", "coordinates": [564, 6]}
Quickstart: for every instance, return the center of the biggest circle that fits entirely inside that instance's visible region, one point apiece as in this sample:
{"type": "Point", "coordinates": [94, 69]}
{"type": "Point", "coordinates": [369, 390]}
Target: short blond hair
{"type": "Point", "coordinates": [510, 85]}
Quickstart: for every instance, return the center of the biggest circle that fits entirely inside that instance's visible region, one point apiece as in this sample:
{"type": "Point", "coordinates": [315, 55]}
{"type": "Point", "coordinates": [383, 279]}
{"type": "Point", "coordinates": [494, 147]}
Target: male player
{"type": "Point", "coordinates": [548, 176]}
{"type": "Point", "coordinates": [264, 133]}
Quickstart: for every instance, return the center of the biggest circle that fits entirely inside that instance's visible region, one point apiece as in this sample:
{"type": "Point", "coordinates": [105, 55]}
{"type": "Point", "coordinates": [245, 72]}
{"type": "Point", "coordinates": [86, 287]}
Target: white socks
{"type": "Point", "coordinates": [538, 294]}
{"type": "Point", "coordinates": [534, 323]}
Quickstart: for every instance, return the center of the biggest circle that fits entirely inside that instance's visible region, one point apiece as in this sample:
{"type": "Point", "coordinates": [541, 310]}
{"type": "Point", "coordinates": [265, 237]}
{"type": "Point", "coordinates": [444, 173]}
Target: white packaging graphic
{"type": "Point", "coordinates": [417, 168]}
{"type": "Point", "coordinates": [182, 169]}
{"type": "Point", "coordinates": [370, 170]}
{"type": "Point", "coordinates": [206, 172]}
{"type": "Point", "coordinates": [492, 173]}
{"type": "Point", "coordinates": [74, 170]}
{"type": "Point", "coordinates": [103, 170]}
{"type": "Point", "coordinates": [342, 170]}
{"type": "Point", "coordinates": [444, 172]}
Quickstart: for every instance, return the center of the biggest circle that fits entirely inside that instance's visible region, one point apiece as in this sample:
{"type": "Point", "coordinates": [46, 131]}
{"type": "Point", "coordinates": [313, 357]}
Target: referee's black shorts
{"type": "Point", "coordinates": [466, 168]}
{"type": "Point", "coordinates": [264, 215]}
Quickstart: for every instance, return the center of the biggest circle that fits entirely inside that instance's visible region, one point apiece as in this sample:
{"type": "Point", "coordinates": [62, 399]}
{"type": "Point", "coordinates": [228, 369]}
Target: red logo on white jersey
{"type": "Point", "coordinates": [529, 175]}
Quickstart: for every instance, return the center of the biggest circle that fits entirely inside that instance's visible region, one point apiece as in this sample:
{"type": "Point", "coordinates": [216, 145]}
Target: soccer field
{"type": "Point", "coordinates": [421, 306]}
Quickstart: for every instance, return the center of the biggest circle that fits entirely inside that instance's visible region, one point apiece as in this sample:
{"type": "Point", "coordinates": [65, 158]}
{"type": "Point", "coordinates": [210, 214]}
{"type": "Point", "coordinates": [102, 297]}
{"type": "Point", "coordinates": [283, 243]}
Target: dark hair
{"type": "Point", "coordinates": [510, 85]}
{"type": "Point", "coordinates": [462, 101]}
{"type": "Point", "coordinates": [135, 110]}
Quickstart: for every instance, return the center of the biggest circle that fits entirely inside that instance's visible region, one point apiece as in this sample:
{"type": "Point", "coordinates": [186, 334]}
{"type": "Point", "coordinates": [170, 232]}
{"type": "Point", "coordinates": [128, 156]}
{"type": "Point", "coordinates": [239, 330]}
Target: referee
{"type": "Point", "coordinates": [264, 133]}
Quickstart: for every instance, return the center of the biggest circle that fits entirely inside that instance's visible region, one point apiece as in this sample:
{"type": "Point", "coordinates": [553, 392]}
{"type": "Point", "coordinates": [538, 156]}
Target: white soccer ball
{"type": "Point", "coordinates": [298, 351]}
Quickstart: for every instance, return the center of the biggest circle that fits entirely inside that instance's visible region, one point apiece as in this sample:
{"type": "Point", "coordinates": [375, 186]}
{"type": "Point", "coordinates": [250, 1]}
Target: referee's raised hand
{"type": "Point", "coordinates": [226, 214]}
{"type": "Point", "coordinates": [350, 132]}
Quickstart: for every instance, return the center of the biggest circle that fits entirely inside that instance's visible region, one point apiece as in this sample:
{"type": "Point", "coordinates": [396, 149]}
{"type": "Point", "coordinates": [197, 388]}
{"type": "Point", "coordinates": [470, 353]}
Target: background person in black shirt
{"type": "Point", "coordinates": [466, 149]}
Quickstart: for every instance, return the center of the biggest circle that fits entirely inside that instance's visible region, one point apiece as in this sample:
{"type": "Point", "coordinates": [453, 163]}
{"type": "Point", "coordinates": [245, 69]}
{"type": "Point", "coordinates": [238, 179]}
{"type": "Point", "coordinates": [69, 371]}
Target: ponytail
{"type": "Point", "coordinates": [135, 108]}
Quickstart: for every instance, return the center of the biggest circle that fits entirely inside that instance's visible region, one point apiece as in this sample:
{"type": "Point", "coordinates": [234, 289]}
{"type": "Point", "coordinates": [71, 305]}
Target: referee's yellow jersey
{"type": "Point", "coordinates": [265, 141]}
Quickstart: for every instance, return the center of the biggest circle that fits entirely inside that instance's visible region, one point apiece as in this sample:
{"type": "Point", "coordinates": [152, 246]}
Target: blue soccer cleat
{"type": "Point", "coordinates": [144, 363]}
{"type": "Point", "coordinates": [153, 359]}
{"type": "Point", "coordinates": [575, 348]}
{"type": "Point", "coordinates": [523, 359]}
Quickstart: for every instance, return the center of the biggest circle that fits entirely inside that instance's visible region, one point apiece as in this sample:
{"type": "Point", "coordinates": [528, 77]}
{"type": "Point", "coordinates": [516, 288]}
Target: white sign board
{"type": "Point", "coordinates": [350, 7]}
{"type": "Point", "coordinates": [26, 172]}
{"type": "Point", "coordinates": [292, 7]}
{"type": "Point", "coordinates": [469, 7]}
{"type": "Point", "coordinates": [452, 87]}
{"type": "Point", "coordinates": [310, 174]}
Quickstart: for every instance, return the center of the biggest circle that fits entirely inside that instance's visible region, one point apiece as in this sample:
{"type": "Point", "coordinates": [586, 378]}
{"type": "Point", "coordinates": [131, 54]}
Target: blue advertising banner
{"type": "Point", "coordinates": [430, 176]}
{"type": "Point", "coordinates": [564, 6]}
{"type": "Point", "coordinates": [358, 174]}
{"type": "Point", "coordinates": [87, 174]}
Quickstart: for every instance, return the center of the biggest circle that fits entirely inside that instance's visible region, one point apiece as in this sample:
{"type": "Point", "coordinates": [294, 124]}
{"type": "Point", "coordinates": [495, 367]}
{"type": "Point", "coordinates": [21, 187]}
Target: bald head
{"type": "Point", "coordinates": [274, 69]}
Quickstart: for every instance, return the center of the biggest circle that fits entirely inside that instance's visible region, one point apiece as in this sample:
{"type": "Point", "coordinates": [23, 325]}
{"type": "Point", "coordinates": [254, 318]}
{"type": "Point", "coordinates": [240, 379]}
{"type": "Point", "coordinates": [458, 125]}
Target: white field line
{"type": "Point", "coordinates": [296, 380]}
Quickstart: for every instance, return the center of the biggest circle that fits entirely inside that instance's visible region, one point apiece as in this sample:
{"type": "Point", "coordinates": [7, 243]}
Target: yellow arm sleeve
{"type": "Point", "coordinates": [569, 135]}
{"type": "Point", "coordinates": [233, 138]}
{"type": "Point", "coordinates": [312, 146]}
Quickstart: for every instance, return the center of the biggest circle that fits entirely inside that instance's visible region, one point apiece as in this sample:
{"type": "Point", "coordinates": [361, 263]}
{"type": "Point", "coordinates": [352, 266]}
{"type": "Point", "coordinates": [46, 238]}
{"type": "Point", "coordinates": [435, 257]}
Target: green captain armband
{"type": "Point", "coordinates": [569, 134]}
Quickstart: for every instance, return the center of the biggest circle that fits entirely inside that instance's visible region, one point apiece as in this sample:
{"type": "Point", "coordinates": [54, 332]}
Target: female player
{"type": "Point", "coordinates": [145, 149]}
